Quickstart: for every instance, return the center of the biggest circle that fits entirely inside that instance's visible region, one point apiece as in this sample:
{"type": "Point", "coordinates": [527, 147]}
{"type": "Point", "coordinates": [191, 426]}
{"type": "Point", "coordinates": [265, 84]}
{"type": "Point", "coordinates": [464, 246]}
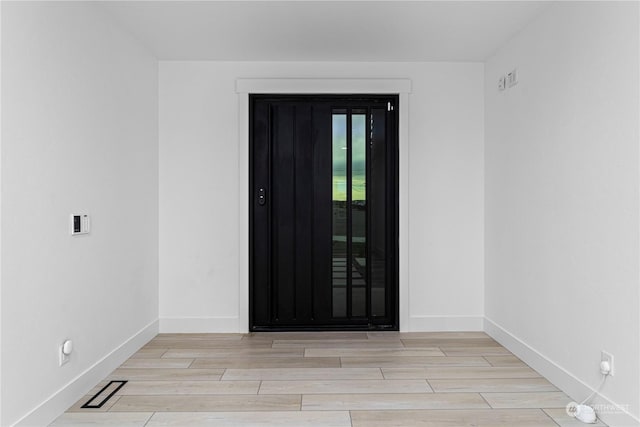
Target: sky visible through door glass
{"type": "Point", "coordinates": [358, 163]}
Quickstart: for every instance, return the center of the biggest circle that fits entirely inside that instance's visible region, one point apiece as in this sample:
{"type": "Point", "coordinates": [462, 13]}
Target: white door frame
{"type": "Point", "coordinates": [400, 87]}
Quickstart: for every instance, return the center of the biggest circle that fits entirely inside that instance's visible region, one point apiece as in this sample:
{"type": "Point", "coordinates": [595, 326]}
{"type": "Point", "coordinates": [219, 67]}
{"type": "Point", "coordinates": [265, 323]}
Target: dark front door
{"type": "Point", "coordinates": [323, 212]}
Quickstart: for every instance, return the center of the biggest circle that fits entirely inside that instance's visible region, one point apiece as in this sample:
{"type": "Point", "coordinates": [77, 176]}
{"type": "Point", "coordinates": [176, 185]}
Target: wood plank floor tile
{"type": "Point", "coordinates": [303, 374]}
{"type": "Point", "coordinates": [371, 352]}
{"type": "Point", "coordinates": [231, 352]}
{"type": "Point", "coordinates": [450, 342]}
{"type": "Point", "coordinates": [166, 374]}
{"type": "Point", "coordinates": [274, 362]}
{"type": "Point", "coordinates": [157, 363]}
{"type": "Point", "coordinates": [343, 344]}
{"type": "Point", "coordinates": [77, 407]}
{"type": "Point", "coordinates": [149, 353]}
{"type": "Point", "coordinates": [84, 419]}
{"type": "Point", "coordinates": [338, 402]}
{"type": "Point", "coordinates": [553, 399]}
{"type": "Point", "coordinates": [453, 418]}
{"type": "Point", "coordinates": [96, 389]}
{"type": "Point", "coordinates": [252, 419]}
{"type": "Point", "coordinates": [344, 386]}
{"type": "Point", "coordinates": [475, 351]}
{"type": "Point", "coordinates": [560, 416]}
{"type": "Point", "coordinates": [210, 344]}
{"type": "Point", "coordinates": [182, 403]}
{"type": "Point", "coordinates": [492, 385]}
{"type": "Point", "coordinates": [504, 361]}
{"type": "Point", "coordinates": [429, 335]}
{"type": "Point", "coordinates": [384, 335]}
{"type": "Point", "coordinates": [150, 388]}
{"type": "Point", "coordinates": [411, 362]}
{"type": "Point", "coordinates": [459, 372]}
{"type": "Point", "coordinates": [314, 336]}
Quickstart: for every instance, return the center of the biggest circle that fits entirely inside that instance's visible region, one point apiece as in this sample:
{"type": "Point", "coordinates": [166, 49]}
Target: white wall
{"type": "Point", "coordinates": [199, 171]}
{"type": "Point", "coordinates": [562, 209]}
{"type": "Point", "coordinates": [79, 134]}
{"type": "Point", "coordinates": [0, 213]}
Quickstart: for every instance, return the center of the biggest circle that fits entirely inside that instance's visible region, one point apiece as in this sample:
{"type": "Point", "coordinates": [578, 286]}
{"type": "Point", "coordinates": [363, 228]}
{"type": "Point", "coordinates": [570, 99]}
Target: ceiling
{"type": "Point", "coordinates": [323, 30]}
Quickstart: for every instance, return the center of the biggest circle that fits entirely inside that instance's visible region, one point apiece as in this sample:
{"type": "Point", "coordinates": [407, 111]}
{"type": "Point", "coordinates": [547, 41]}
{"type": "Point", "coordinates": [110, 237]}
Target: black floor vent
{"type": "Point", "coordinates": [113, 386]}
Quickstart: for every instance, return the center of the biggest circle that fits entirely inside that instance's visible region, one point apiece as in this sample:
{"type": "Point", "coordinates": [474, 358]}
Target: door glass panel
{"type": "Point", "coordinates": [339, 203]}
{"type": "Point", "coordinates": [358, 215]}
{"type": "Point", "coordinates": [378, 214]}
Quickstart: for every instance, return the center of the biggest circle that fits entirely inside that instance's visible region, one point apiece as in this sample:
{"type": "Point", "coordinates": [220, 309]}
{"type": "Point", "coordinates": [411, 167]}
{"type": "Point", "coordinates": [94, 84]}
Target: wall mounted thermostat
{"type": "Point", "coordinates": [80, 224]}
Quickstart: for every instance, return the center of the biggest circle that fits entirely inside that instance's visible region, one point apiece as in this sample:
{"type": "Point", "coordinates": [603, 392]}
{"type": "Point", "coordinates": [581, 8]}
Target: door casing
{"type": "Point", "coordinates": [246, 86]}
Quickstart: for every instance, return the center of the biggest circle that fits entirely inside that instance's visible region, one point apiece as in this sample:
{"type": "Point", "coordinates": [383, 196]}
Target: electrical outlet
{"type": "Point", "coordinates": [63, 358]}
{"type": "Point", "coordinates": [608, 357]}
{"type": "Point", "coordinates": [501, 83]}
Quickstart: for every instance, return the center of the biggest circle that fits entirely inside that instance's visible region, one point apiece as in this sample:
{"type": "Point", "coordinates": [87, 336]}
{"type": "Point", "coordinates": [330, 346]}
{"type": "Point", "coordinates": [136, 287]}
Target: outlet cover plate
{"type": "Point", "coordinates": [608, 357]}
{"type": "Point", "coordinates": [63, 358]}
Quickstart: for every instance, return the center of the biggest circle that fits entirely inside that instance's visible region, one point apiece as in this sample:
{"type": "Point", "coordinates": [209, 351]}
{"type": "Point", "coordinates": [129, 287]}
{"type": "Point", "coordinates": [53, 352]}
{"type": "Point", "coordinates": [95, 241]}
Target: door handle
{"type": "Point", "coordinates": [262, 197]}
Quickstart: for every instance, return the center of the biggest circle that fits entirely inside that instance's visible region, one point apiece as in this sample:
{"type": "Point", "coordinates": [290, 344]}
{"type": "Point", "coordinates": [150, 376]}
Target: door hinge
{"type": "Point", "coordinates": [389, 106]}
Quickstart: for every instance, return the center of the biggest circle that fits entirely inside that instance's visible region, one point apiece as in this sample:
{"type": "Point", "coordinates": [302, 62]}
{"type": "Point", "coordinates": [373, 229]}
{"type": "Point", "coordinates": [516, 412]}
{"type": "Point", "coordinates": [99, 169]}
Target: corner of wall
{"type": "Point", "coordinates": [559, 155]}
{"type": "Point", "coordinates": [608, 411]}
{"type": "Point", "coordinates": [94, 99]}
{"type": "Point", "coordinates": [69, 394]}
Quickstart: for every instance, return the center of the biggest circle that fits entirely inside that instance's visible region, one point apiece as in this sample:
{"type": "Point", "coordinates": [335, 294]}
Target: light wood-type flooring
{"type": "Point", "coordinates": [336, 379]}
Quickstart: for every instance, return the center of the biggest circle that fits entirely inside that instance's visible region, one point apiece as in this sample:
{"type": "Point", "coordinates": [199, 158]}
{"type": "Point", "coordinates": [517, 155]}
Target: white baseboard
{"type": "Point", "coordinates": [559, 376]}
{"type": "Point", "coordinates": [60, 401]}
{"type": "Point", "coordinates": [445, 323]}
{"type": "Point", "coordinates": [199, 324]}
{"type": "Point", "coordinates": [232, 324]}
